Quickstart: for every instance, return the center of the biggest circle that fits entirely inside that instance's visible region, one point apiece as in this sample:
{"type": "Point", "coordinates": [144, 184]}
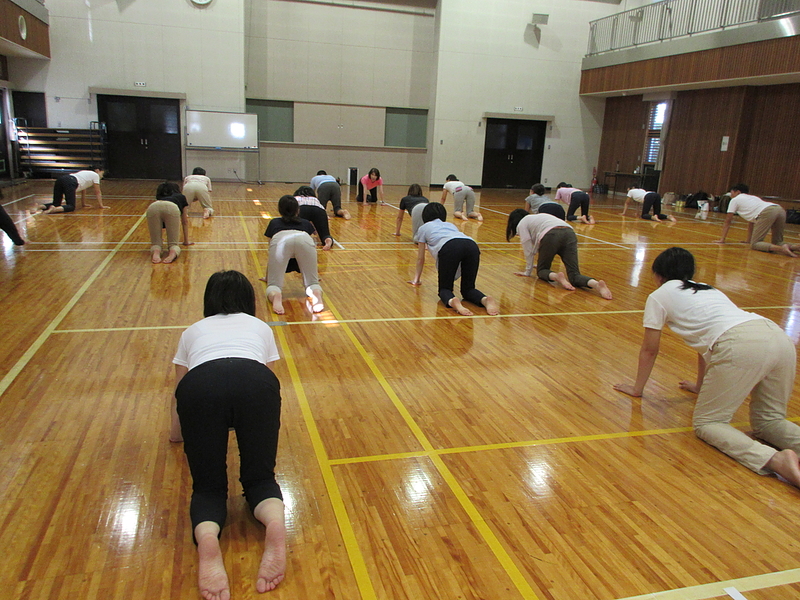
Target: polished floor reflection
{"type": "Point", "coordinates": [422, 455]}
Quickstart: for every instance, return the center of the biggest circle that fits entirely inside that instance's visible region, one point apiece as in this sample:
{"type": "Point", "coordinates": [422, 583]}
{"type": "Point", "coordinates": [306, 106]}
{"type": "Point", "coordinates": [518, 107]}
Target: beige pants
{"type": "Point", "coordinates": [292, 244]}
{"type": "Point", "coordinates": [194, 190]}
{"type": "Point", "coordinates": [160, 214]}
{"type": "Point", "coordinates": [755, 358]}
{"type": "Point", "coordinates": [774, 218]}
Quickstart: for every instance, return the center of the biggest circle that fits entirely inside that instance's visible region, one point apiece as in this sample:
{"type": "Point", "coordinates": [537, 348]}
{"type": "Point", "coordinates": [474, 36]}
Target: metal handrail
{"type": "Point", "coordinates": [671, 19]}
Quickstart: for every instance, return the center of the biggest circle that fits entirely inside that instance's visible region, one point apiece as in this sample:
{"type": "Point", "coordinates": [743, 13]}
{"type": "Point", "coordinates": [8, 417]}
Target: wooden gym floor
{"type": "Point", "coordinates": [423, 455]}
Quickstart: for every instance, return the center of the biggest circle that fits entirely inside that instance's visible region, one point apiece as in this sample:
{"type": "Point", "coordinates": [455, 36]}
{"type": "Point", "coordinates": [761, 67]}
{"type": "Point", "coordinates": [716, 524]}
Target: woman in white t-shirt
{"type": "Point", "coordinates": [461, 193]}
{"type": "Point", "coordinates": [224, 379]}
{"type": "Point", "coordinates": [738, 353]}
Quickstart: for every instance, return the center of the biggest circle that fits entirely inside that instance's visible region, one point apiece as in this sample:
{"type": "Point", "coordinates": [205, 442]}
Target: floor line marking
{"type": "Point", "coordinates": [716, 589]}
{"type": "Point", "coordinates": [352, 548]}
{"type": "Point", "coordinates": [492, 541]}
{"type": "Point", "coordinates": [401, 319]}
{"type": "Point", "coordinates": [19, 199]}
{"type": "Point", "coordinates": [51, 327]}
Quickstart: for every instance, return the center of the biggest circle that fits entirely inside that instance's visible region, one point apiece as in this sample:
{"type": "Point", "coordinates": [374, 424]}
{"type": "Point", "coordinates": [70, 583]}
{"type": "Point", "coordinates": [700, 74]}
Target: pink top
{"type": "Point", "coordinates": [369, 184]}
{"type": "Point", "coordinates": [564, 194]}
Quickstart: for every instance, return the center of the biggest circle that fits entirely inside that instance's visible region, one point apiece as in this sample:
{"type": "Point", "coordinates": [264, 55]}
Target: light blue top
{"type": "Point", "coordinates": [320, 179]}
{"type": "Point", "coordinates": [436, 234]}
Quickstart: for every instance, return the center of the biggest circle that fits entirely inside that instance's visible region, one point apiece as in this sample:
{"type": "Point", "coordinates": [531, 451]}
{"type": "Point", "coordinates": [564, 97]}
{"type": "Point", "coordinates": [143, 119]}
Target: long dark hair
{"type": "Point", "coordinates": [227, 293]}
{"type": "Point", "coordinates": [288, 207]}
{"type": "Point", "coordinates": [415, 190]}
{"type": "Point", "coordinates": [678, 263]}
{"type": "Point", "coordinates": [513, 222]}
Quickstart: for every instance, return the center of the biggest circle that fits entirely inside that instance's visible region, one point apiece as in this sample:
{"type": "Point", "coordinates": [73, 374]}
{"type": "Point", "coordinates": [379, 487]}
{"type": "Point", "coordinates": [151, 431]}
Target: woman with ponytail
{"type": "Point", "coordinates": [738, 353]}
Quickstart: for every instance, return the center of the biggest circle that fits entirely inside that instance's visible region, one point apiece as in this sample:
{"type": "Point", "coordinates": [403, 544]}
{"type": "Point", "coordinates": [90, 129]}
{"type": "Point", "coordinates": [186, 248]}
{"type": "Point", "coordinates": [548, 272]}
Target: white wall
{"type": "Point", "coordinates": [486, 64]}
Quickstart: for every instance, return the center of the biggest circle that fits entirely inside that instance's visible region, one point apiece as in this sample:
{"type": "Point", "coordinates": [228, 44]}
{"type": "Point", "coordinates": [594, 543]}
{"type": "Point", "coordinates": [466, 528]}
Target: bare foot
{"type": "Point", "coordinates": [785, 463]}
{"type": "Point", "coordinates": [345, 214]}
{"type": "Point", "coordinates": [656, 219]}
{"type": "Point", "coordinates": [458, 215]}
{"type": "Point", "coordinates": [212, 578]}
{"type": "Point", "coordinates": [171, 256]}
{"type": "Point", "coordinates": [689, 386]}
{"type": "Point", "coordinates": [584, 220]}
{"type": "Point", "coordinates": [455, 304]}
{"type": "Point", "coordinates": [591, 221]}
{"type": "Point", "coordinates": [563, 281]}
{"type": "Point", "coordinates": [328, 244]}
{"type": "Point", "coordinates": [786, 250]}
{"type": "Point", "coordinates": [206, 213]}
{"type": "Point", "coordinates": [277, 302]}
{"type": "Point", "coordinates": [602, 289]}
{"type": "Point", "coordinates": [491, 305]}
{"type": "Point", "coordinates": [273, 561]}
{"type": "Point", "coordinates": [89, 206]}
{"type": "Point", "coordinates": [270, 512]}
{"type": "Point", "coordinates": [673, 219]}
{"type": "Point", "coordinates": [476, 215]}
{"type": "Point", "coordinates": [316, 301]}
{"type": "Point", "coordinates": [156, 258]}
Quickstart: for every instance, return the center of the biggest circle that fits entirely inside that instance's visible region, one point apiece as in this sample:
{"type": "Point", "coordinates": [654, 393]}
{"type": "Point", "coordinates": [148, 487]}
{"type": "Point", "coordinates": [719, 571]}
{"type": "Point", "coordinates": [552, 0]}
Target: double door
{"type": "Point", "coordinates": [144, 140]}
{"type": "Point", "coordinates": [513, 153]}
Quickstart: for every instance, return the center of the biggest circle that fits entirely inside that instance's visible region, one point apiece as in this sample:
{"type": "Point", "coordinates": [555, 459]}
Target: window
{"type": "Point", "coordinates": [655, 125]}
{"type": "Point", "coordinates": [275, 119]}
{"type": "Point", "coordinates": [406, 128]}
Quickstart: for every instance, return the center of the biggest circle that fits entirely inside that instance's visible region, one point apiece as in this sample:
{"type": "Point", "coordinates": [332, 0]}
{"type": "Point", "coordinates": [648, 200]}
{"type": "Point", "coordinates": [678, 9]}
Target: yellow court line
{"type": "Point", "coordinates": [39, 342]}
{"type": "Point", "coordinates": [717, 589]}
{"type": "Point", "coordinates": [337, 503]}
{"type": "Point", "coordinates": [503, 557]}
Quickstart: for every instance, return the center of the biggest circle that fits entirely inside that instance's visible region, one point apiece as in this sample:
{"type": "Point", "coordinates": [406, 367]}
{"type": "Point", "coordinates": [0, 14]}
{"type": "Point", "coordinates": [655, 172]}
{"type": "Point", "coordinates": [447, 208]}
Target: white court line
{"type": "Point", "coordinates": [339, 245]}
{"type": "Point", "coordinates": [19, 199]}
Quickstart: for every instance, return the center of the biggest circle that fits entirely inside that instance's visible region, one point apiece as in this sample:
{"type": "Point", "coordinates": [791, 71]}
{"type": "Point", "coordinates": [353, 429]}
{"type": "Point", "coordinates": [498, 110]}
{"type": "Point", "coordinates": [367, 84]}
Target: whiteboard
{"type": "Point", "coordinates": [221, 129]}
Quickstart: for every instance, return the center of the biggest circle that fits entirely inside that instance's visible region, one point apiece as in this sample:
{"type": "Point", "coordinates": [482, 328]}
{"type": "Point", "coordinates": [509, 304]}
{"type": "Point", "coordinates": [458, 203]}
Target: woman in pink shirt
{"type": "Point", "coordinates": [372, 183]}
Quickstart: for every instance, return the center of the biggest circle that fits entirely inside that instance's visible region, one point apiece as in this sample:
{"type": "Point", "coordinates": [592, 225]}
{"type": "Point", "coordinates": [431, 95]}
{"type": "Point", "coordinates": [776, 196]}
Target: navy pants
{"type": "Point", "coordinates": [463, 252]}
{"type": "Point", "coordinates": [64, 190]}
{"type": "Point", "coordinates": [652, 201]}
{"type": "Point", "coordinates": [213, 397]}
{"type": "Point", "coordinates": [578, 199]}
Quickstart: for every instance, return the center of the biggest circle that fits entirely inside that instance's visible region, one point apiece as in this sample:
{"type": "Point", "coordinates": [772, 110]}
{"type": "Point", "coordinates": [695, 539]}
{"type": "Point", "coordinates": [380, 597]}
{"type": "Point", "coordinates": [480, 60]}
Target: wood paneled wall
{"type": "Point", "coordinates": [763, 124]}
{"type": "Point", "coordinates": [756, 59]}
{"type": "Point", "coordinates": [38, 37]}
{"type": "Point", "coordinates": [623, 134]}
{"type": "Point", "coordinates": [693, 157]}
{"type": "Point", "coordinates": [771, 158]}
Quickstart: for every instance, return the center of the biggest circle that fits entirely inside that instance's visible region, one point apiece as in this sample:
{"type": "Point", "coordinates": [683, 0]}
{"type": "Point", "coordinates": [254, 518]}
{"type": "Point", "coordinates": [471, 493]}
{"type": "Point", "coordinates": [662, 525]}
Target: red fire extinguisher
{"type": "Point", "coordinates": [594, 179]}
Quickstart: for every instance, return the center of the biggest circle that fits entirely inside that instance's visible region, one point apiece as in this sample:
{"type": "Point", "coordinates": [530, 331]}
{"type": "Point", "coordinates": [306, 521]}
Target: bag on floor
{"type": "Point", "coordinates": [793, 216]}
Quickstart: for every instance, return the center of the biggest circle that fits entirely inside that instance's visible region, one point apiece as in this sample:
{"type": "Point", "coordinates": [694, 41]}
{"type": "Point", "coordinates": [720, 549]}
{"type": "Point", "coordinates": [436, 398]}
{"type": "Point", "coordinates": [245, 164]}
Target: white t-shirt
{"type": "Point", "coordinates": [748, 206]}
{"type": "Point", "coordinates": [699, 318]}
{"type": "Point", "coordinates": [86, 179]}
{"type": "Point", "coordinates": [226, 336]}
{"type": "Point", "coordinates": [637, 194]}
{"type": "Point", "coordinates": [198, 179]}
{"type": "Point", "coordinates": [531, 230]}
{"type": "Point", "coordinates": [455, 186]}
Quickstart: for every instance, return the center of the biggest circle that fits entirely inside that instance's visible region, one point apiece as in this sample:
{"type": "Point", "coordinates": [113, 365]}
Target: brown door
{"type": "Point", "coordinates": [143, 136]}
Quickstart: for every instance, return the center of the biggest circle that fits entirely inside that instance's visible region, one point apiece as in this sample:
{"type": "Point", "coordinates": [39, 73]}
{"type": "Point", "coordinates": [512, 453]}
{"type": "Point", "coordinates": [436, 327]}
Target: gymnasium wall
{"type": "Point", "coordinates": [489, 62]}
{"type": "Point", "coordinates": [764, 146]}
{"type": "Point", "coordinates": [341, 66]}
{"type": "Point", "coordinates": [173, 47]}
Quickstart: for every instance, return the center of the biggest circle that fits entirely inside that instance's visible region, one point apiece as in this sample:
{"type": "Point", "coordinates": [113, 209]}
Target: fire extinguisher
{"type": "Point", "coordinates": [594, 179]}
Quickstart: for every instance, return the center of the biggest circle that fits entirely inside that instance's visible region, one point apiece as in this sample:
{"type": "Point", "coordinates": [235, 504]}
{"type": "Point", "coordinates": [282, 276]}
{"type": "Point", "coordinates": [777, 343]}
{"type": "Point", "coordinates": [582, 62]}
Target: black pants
{"type": "Point", "coordinates": [64, 189]}
{"type": "Point", "coordinates": [578, 199]}
{"type": "Point", "coordinates": [457, 252]}
{"type": "Point", "coordinates": [318, 218]}
{"type": "Point", "coordinates": [372, 194]}
{"type": "Point", "coordinates": [330, 191]}
{"type": "Point", "coordinates": [7, 225]}
{"type": "Point", "coordinates": [551, 208]}
{"type": "Point", "coordinates": [652, 201]}
{"type": "Point", "coordinates": [212, 397]}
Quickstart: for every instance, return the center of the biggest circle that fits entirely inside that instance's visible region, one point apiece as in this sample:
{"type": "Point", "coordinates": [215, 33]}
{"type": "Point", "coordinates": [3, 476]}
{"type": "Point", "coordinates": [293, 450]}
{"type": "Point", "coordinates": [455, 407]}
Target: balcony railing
{"type": "Point", "coordinates": [671, 19]}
